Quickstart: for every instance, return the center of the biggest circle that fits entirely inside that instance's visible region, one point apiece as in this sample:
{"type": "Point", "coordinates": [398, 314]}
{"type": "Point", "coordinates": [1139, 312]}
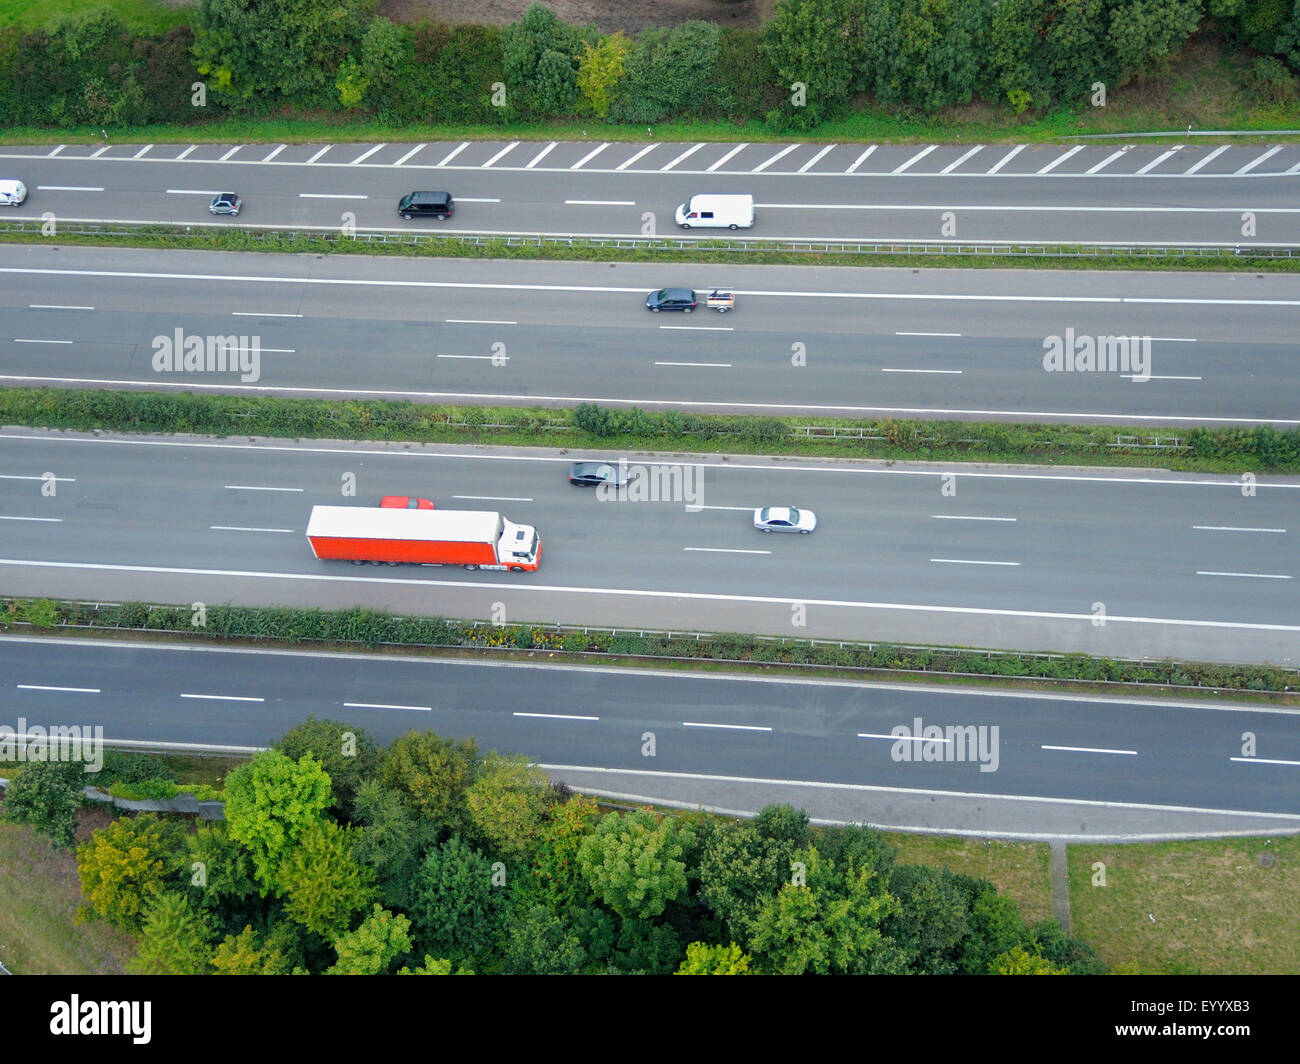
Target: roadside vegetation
{"type": "Point", "coordinates": [359, 627]}
{"type": "Point", "coordinates": [342, 856]}
{"type": "Point", "coordinates": [818, 69]}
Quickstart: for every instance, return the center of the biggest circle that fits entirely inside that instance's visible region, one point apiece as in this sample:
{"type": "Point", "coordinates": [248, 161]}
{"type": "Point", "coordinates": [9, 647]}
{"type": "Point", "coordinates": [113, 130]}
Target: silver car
{"type": "Point", "coordinates": [784, 519]}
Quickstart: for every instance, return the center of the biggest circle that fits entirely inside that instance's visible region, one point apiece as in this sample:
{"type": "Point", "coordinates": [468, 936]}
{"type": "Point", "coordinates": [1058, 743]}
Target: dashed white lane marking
{"type": "Point", "coordinates": [224, 698]}
{"type": "Point", "coordinates": [925, 334]}
{"type": "Point", "coordinates": [967, 517]}
{"type": "Point", "coordinates": [886, 370]}
{"type": "Point", "coordinates": [49, 520]}
{"type": "Point", "coordinates": [599, 203]}
{"type": "Point", "coordinates": [729, 727]}
{"type": "Point", "coordinates": [54, 306]}
{"type": "Point", "coordinates": [262, 314]}
{"type": "Point", "coordinates": [555, 716]}
{"type": "Point", "coordinates": [70, 188]}
{"type": "Point", "coordinates": [493, 498]}
{"type": "Point", "coordinates": [705, 365]}
{"type": "Point", "coordinates": [1248, 576]}
{"type": "Point", "coordinates": [20, 340]}
{"type": "Point", "coordinates": [1233, 528]}
{"type": "Point", "coordinates": [381, 705]}
{"type": "Point", "coordinates": [969, 561]}
{"type": "Point", "coordinates": [723, 550]}
{"type": "Point", "coordinates": [237, 528]}
{"type": "Point", "coordinates": [1266, 761]}
{"type": "Point", "coordinates": [1089, 750]}
{"type": "Point", "coordinates": [332, 195]}
{"type": "Point", "coordinates": [478, 321]}
{"type": "Point", "coordinates": [68, 690]}
{"type": "Point", "coordinates": [258, 487]}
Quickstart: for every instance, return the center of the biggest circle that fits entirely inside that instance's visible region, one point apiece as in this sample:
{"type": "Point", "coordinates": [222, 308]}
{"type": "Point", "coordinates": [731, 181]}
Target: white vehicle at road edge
{"type": "Point", "coordinates": [12, 193]}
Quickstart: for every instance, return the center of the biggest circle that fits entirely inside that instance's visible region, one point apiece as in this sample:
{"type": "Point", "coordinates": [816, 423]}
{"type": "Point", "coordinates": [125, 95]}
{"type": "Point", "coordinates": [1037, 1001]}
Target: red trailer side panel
{"type": "Point", "coordinates": [402, 550]}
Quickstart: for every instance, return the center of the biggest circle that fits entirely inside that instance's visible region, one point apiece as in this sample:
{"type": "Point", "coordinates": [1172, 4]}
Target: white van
{"type": "Point", "coordinates": [12, 193]}
{"type": "Point", "coordinates": [717, 212]}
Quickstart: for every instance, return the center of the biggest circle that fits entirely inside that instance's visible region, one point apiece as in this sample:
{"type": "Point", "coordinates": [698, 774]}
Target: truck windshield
{"type": "Point", "coordinates": [526, 549]}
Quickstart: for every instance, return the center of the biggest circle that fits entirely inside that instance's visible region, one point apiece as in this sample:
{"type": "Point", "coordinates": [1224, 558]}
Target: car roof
{"type": "Point", "coordinates": [429, 197]}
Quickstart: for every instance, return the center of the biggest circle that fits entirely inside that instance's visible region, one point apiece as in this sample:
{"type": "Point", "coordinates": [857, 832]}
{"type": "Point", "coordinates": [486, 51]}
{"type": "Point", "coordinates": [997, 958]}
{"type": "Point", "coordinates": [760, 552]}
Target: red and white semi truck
{"type": "Point", "coordinates": [472, 539]}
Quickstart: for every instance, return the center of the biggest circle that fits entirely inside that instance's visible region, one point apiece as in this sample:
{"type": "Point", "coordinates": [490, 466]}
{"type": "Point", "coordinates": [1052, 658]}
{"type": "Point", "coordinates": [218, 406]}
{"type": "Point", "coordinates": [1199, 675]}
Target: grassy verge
{"type": "Point", "coordinates": [1219, 450]}
{"type": "Point", "coordinates": [1217, 909]}
{"type": "Point", "coordinates": [1018, 869]}
{"type": "Point", "coordinates": [359, 627]}
{"type": "Point", "coordinates": [577, 249]}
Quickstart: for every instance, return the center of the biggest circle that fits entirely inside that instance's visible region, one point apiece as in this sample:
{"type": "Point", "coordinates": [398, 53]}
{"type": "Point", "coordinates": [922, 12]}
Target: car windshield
{"type": "Point", "coordinates": [794, 516]}
{"type": "Point", "coordinates": [662, 295]}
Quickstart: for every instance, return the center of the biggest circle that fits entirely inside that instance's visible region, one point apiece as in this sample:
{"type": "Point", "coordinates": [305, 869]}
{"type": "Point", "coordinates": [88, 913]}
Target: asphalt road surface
{"type": "Point", "coordinates": [1198, 192]}
{"type": "Point", "coordinates": [1038, 766]}
{"type": "Point", "coordinates": [1130, 563]}
{"type": "Point", "coordinates": [1197, 348]}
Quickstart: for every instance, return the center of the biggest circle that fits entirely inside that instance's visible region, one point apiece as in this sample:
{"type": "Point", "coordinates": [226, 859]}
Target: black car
{"type": "Point", "coordinates": [671, 299]}
{"type": "Point", "coordinates": [426, 205]}
{"type": "Point", "coordinates": [592, 474]}
{"type": "Point", "coordinates": [225, 203]}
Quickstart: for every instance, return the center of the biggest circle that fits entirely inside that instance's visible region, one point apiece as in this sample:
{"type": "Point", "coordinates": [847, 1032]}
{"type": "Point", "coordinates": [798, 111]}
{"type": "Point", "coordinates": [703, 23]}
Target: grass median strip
{"type": "Point", "coordinates": [359, 627]}
{"type": "Point", "coordinates": [1235, 449]}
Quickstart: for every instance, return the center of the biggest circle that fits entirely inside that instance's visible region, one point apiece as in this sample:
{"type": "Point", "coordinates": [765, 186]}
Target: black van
{"type": "Point", "coordinates": [426, 204]}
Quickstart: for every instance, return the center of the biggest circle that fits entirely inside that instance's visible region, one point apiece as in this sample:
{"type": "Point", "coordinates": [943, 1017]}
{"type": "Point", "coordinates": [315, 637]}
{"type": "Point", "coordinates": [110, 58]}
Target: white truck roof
{"type": "Point", "coordinates": [373, 522]}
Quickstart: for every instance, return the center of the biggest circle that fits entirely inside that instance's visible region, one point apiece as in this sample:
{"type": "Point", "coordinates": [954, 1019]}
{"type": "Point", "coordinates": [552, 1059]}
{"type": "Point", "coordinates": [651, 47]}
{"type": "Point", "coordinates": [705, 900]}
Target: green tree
{"type": "Point", "coordinates": [996, 927]}
{"type": "Point", "coordinates": [219, 874]}
{"type": "Point", "coordinates": [668, 71]}
{"type": "Point", "coordinates": [457, 907]}
{"type": "Point", "coordinates": [264, 49]}
{"type": "Point", "coordinates": [124, 865]}
{"type": "Point", "coordinates": [391, 840]}
{"type": "Point", "coordinates": [248, 954]}
{"type": "Point", "coordinates": [506, 804]}
{"type": "Point", "coordinates": [703, 959]}
{"type": "Point", "coordinates": [434, 773]}
{"type": "Point", "coordinates": [373, 946]}
{"type": "Point", "coordinates": [739, 869]}
{"type": "Point", "coordinates": [817, 44]}
{"type": "Point", "coordinates": [385, 51]}
{"type": "Point", "coordinates": [540, 57]}
{"type": "Point", "coordinates": [1019, 962]}
{"type": "Point", "coordinates": [600, 69]}
{"type": "Point", "coordinates": [538, 942]}
{"type": "Point", "coordinates": [47, 796]}
{"type": "Point", "coordinates": [1143, 33]}
{"type": "Point", "coordinates": [434, 966]}
{"type": "Point", "coordinates": [348, 755]}
{"type": "Point", "coordinates": [323, 883]}
{"type": "Point", "coordinates": [176, 938]}
{"type": "Point", "coordinates": [932, 919]}
{"type": "Point", "coordinates": [270, 802]}
{"type": "Point", "coordinates": [926, 53]}
{"type": "Point", "coordinates": [635, 862]}
{"type": "Point", "coordinates": [830, 923]}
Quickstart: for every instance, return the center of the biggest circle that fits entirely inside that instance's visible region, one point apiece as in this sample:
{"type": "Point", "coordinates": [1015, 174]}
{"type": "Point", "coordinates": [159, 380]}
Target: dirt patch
{"type": "Point", "coordinates": [743, 14]}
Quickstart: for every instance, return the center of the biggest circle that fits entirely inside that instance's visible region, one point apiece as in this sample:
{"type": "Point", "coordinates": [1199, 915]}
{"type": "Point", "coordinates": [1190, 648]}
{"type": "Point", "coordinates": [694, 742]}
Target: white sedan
{"type": "Point", "coordinates": [784, 519]}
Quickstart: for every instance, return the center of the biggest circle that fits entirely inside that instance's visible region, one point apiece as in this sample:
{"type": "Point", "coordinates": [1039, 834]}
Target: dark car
{"type": "Point", "coordinates": [404, 502]}
{"type": "Point", "coordinates": [592, 474]}
{"type": "Point", "coordinates": [225, 203]}
{"type": "Point", "coordinates": [426, 205]}
{"type": "Point", "coordinates": [671, 299]}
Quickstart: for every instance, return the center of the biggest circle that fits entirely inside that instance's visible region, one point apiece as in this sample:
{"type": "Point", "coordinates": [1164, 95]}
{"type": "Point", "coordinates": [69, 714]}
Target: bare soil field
{"type": "Point", "coordinates": [629, 17]}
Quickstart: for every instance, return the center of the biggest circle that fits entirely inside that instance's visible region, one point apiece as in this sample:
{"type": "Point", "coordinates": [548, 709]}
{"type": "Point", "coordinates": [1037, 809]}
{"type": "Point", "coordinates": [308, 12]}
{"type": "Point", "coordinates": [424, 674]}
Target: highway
{"type": "Point", "coordinates": [1197, 192]}
{"type": "Point", "coordinates": [1048, 765]}
{"type": "Point", "coordinates": [1129, 563]}
{"type": "Point", "coordinates": [1205, 349]}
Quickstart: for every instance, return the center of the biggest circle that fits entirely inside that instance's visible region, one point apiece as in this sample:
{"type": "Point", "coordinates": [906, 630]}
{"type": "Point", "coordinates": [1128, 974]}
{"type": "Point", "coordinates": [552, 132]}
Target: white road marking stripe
{"type": "Point", "coordinates": [953, 166]}
{"type": "Point", "coordinates": [1159, 159]}
{"type": "Point", "coordinates": [860, 160]}
{"type": "Point", "coordinates": [541, 155]}
{"type": "Point", "coordinates": [702, 596]}
{"type": "Point", "coordinates": [453, 153]}
{"type": "Point", "coordinates": [262, 314]}
{"type": "Point", "coordinates": [589, 156]}
{"type": "Point", "coordinates": [925, 334]}
{"type": "Point", "coordinates": [1251, 576]}
{"type": "Point", "coordinates": [97, 154]}
{"type": "Point", "coordinates": [904, 738]}
{"type": "Point", "coordinates": [470, 199]}
{"type": "Point", "coordinates": [1006, 158]}
{"type": "Point", "coordinates": [54, 306]}
{"type": "Point", "coordinates": [319, 154]}
{"type": "Point", "coordinates": [224, 698]}
{"type": "Point", "coordinates": [69, 690]}
{"type": "Point", "coordinates": [237, 528]}
{"type": "Point", "coordinates": [1209, 158]}
{"type": "Point", "coordinates": [816, 159]}
{"type": "Point", "coordinates": [969, 561]}
{"type": "Point", "coordinates": [686, 328]}
{"type": "Point", "coordinates": [883, 370]}
{"type": "Point", "coordinates": [746, 509]}
{"type": "Point", "coordinates": [492, 498]}
{"type": "Point", "coordinates": [1259, 159]}
{"type": "Point", "coordinates": [967, 517]}
{"type": "Point", "coordinates": [366, 155]}
{"type": "Point", "coordinates": [726, 158]}
{"type": "Point", "coordinates": [1090, 750]}
{"type": "Point", "coordinates": [16, 476]}
{"type": "Point", "coordinates": [381, 705]}
{"type": "Point", "coordinates": [186, 152]}
{"type": "Point", "coordinates": [228, 154]}
{"type": "Point", "coordinates": [639, 155]}
{"type": "Point", "coordinates": [19, 340]}
{"type": "Point", "coordinates": [274, 153]}
{"type": "Point", "coordinates": [414, 151]}
{"type": "Point", "coordinates": [779, 155]}
{"type": "Point", "coordinates": [1060, 159]}
{"type": "Point", "coordinates": [1109, 159]}
{"type": "Point", "coordinates": [190, 192]}
{"type": "Point", "coordinates": [142, 152]}
{"type": "Point", "coordinates": [556, 716]}
{"type": "Point", "coordinates": [729, 727]}
{"type": "Point", "coordinates": [710, 365]}
{"type": "Point", "coordinates": [331, 195]}
{"type": "Point", "coordinates": [51, 520]}
{"type": "Point", "coordinates": [723, 550]}
{"type": "Point", "coordinates": [258, 487]}
{"type": "Point", "coordinates": [684, 155]}
{"type": "Point", "coordinates": [477, 321]}
{"type": "Point", "coordinates": [480, 358]}
{"type": "Point", "coordinates": [70, 188]}
{"type": "Point", "coordinates": [1233, 528]}
{"type": "Point", "coordinates": [56, 151]}
{"type": "Point", "coordinates": [1266, 761]}
{"type": "Point", "coordinates": [599, 203]}
{"type": "Point", "coordinates": [915, 158]}
{"type": "Point", "coordinates": [1175, 339]}
{"type": "Point", "coordinates": [501, 154]}
{"type": "Point", "coordinates": [1157, 377]}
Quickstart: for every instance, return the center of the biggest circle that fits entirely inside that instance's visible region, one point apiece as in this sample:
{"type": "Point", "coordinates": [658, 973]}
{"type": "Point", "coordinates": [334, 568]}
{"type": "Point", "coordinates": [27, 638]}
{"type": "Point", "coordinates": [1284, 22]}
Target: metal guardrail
{"type": "Point", "coordinates": [750, 245]}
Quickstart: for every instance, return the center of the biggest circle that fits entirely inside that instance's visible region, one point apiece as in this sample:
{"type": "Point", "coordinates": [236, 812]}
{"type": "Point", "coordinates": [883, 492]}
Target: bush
{"type": "Point", "coordinates": [593, 419]}
{"type": "Point", "coordinates": [668, 72]}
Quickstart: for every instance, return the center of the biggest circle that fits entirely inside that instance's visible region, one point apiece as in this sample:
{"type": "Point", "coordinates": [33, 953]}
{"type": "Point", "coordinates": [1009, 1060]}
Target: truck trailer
{"type": "Point", "coordinates": [472, 539]}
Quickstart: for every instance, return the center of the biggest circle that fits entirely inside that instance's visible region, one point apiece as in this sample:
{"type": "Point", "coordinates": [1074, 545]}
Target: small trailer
{"type": "Point", "coordinates": [720, 299]}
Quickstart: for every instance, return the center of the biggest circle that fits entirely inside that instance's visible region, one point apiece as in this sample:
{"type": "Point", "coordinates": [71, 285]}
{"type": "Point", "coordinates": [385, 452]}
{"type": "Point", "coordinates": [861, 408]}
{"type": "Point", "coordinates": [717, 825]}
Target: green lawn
{"type": "Point", "coordinates": [1191, 907]}
{"type": "Point", "coordinates": [1017, 869]}
{"type": "Point", "coordinates": [143, 16]}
